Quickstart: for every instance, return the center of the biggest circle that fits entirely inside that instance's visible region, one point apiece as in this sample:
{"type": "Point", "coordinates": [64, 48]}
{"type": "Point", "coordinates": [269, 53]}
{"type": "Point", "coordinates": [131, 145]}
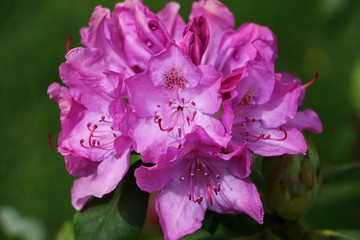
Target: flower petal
{"type": "Point", "coordinates": [307, 119]}
{"type": "Point", "coordinates": [109, 173]}
{"type": "Point", "coordinates": [80, 166]}
{"type": "Point", "coordinates": [220, 21]}
{"type": "Point", "coordinates": [196, 39]}
{"type": "Point", "coordinates": [256, 84]}
{"type": "Point", "coordinates": [280, 108]}
{"type": "Point", "coordinates": [286, 141]}
{"type": "Point", "coordinates": [238, 196]}
{"type": "Point", "coordinates": [250, 42]}
{"type": "Point", "coordinates": [178, 216]}
{"type": "Point", "coordinates": [170, 60]}
{"type": "Point", "coordinates": [85, 74]}
{"type": "Point", "coordinates": [173, 22]}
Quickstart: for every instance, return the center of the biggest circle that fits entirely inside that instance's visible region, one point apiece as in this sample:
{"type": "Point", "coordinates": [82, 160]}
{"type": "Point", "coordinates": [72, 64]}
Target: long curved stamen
{"type": "Point", "coordinates": [50, 143]}
{"type": "Point", "coordinates": [101, 136]}
{"type": "Point", "coordinates": [312, 81]}
{"type": "Point", "coordinates": [254, 137]}
{"type": "Point", "coordinates": [68, 44]}
{"type": "Point", "coordinates": [174, 115]}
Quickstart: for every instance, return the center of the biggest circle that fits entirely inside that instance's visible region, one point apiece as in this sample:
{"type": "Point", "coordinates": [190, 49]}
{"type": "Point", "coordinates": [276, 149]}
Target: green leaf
{"type": "Point", "coordinates": [210, 222]}
{"type": "Point", "coordinates": [240, 224]}
{"type": "Point", "coordinates": [66, 232]}
{"type": "Point", "coordinates": [118, 215]}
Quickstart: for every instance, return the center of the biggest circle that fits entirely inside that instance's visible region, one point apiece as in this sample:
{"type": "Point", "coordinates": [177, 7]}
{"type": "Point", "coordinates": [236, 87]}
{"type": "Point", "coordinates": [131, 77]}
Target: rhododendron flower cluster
{"type": "Point", "coordinates": [196, 100]}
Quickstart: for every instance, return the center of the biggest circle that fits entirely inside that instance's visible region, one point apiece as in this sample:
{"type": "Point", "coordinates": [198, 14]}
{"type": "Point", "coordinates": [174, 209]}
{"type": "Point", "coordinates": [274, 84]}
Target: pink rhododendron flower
{"type": "Point", "coordinates": [197, 177]}
{"type": "Point", "coordinates": [172, 97]}
{"type": "Point", "coordinates": [93, 150]}
{"type": "Point", "coordinates": [178, 94]}
{"type": "Point", "coordinates": [264, 114]}
{"type": "Point", "coordinates": [230, 49]}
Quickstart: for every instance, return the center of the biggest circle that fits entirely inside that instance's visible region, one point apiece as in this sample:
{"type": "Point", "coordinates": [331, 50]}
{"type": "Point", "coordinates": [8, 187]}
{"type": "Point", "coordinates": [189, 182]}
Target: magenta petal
{"type": "Point", "coordinates": [238, 196]}
{"type": "Point", "coordinates": [294, 143]}
{"type": "Point", "coordinates": [109, 173]}
{"type": "Point", "coordinates": [79, 166]}
{"type": "Point", "coordinates": [148, 137]}
{"type": "Point", "coordinates": [220, 21]}
{"type": "Point", "coordinates": [144, 96]}
{"type": "Point", "coordinates": [213, 127]}
{"type": "Point", "coordinates": [84, 36]}
{"type": "Point", "coordinates": [238, 162]}
{"type": "Point", "coordinates": [308, 120]}
{"type": "Point", "coordinates": [280, 108]}
{"type": "Point", "coordinates": [173, 22]}
{"type": "Point", "coordinates": [206, 95]}
{"type": "Point", "coordinates": [250, 42]}
{"type": "Point", "coordinates": [84, 74]}
{"type": "Point", "coordinates": [64, 99]}
{"type": "Point", "coordinates": [151, 179]}
{"type": "Point", "coordinates": [256, 84]}
{"type": "Point", "coordinates": [178, 216]}
{"type": "Point", "coordinates": [150, 29]}
{"type": "Point", "coordinates": [199, 139]}
{"type": "Point", "coordinates": [76, 128]}
{"type": "Point", "coordinates": [136, 52]}
{"type": "Point", "coordinates": [98, 33]}
{"type": "Point", "coordinates": [169, 61]}
{"type": "Point", "coordinates": [196, 39]}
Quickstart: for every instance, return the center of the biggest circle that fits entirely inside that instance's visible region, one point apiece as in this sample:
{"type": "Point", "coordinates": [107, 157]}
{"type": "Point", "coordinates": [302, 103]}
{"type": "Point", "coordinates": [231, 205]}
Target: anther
{"type": "Point", "coordinates": [179, 132]}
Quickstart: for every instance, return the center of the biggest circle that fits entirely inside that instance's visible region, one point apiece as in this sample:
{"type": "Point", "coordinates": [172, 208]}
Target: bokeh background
{"type": "Point", "coordinates": [313, 35]}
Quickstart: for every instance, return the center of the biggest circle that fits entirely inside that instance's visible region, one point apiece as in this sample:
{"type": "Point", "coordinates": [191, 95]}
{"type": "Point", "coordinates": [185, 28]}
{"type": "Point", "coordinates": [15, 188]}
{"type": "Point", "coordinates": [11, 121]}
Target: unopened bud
{"type": "Point", "coordinates": [292, 182]}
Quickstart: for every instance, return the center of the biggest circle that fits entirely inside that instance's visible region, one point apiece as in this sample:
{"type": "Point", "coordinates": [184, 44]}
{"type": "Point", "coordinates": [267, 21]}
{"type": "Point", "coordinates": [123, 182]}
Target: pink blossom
{"type": "Point", "coordinates": [172, 97]}
{"type": "Point", "coordinates": [230, 49]}
{"type": "Point", "coordinates": [263, 112]}
{"type": "Point", "coordinates": [197, 177]}
{"type": "Point", "coordinates": [93, 149]}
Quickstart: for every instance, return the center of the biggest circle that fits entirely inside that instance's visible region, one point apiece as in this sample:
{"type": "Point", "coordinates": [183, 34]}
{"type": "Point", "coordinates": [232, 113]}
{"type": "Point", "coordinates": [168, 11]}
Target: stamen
{"type": "Point", "coordinates": [179, 132]}
{"type": "Point", "coordinates": [164, 129]}
{"type": "Point", "coordinates": [68, 43]}
{"type": "Point", "coordinates": [312, 81]}
{"type": "Point", "coordinates": [101, 135]}
{"type": "Point", "coordinates": [280, 139]}
{"type": "Point", "coordinates": [208, 194]}
{"type": "Point", "coordinates": [193, 116]}
{"type": "Point", "coordinates": [203, 179]}
{"type": "Point", "coordinates": [50, 143]}
{"type": "Point", "coordinates": [253, 137]}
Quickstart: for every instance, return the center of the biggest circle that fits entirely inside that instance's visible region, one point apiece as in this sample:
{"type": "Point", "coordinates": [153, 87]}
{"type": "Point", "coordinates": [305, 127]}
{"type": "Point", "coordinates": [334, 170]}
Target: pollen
{"type": "Point", "coordinates": [174, 79]}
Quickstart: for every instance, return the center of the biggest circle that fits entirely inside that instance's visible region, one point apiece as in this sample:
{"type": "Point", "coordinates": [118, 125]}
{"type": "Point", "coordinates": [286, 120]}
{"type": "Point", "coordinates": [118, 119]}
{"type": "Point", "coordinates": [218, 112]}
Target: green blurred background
{"type": "Point", "coordinates": [313, 35]}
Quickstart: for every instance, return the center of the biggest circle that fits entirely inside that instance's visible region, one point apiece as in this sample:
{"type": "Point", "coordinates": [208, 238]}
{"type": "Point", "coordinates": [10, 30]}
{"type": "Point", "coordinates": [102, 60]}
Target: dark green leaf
{"type": "Point", "coordinates": [118, 215]}
{"type": "Point", "coordinates": [240, 224]}
{"type": "Point", "coordinates": [210, 222]}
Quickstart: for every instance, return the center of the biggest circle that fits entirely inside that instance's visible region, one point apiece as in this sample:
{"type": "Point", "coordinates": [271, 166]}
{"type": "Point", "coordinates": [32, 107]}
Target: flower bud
{"type": "Point", "coordinates": [292, 182]}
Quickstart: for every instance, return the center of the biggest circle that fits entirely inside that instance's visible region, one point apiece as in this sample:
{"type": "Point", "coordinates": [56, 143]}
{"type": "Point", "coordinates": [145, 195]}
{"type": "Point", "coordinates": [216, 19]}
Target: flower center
{"type": "Point", "coordinates": [101, 135]}
{"type": "Point", "coordinates": [243, 129]}
{"type": "Point", "coordinates": [176, 116]}
{"type": "Point", "coordinates": [203, 181]}
{"type": "Point", "coordinates": [174, 79]}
